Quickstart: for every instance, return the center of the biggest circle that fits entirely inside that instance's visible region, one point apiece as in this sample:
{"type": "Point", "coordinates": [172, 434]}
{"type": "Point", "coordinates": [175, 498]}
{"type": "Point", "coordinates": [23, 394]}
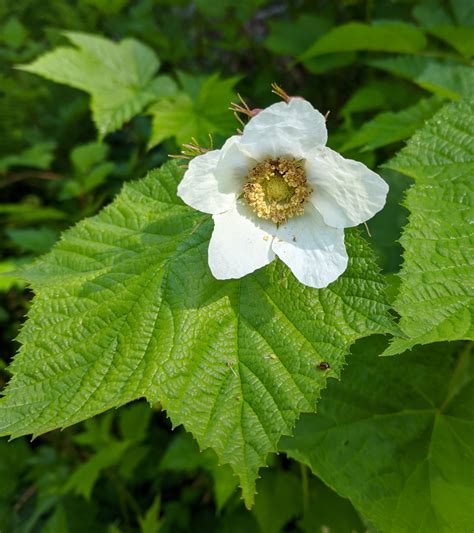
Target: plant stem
{"type": "Point", "coordinates": [305, 487]}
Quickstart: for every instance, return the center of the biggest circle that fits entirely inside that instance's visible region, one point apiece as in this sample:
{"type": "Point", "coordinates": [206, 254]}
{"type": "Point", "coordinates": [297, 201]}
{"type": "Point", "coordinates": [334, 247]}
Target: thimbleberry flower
{"type": "Point", "coordinates": [277, 190]}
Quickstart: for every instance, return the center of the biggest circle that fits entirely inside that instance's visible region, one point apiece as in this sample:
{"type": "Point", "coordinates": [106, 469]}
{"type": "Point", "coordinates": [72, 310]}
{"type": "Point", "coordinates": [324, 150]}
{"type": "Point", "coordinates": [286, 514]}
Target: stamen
{"type": "Point", "coordinates": [276, 89]}
{"type": "Point", "coordinates": [243, 109]}
{"type": "Point", "coordinates": [192, 150]}
{"type": "Point", "coordinates": [276, 189]}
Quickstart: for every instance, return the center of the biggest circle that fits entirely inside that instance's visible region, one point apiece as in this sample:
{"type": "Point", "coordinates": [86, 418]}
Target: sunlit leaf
{"type": "Point", "coordinates": [199, 111]}
{"type": "Point", "coordinates": [353, 36]}
{"type": "Point", "coordinates": [126, 307]}
{"type": "Point", "coordinates": [436, 297]}
{"type": "Point", "coordinates": [120, 77]}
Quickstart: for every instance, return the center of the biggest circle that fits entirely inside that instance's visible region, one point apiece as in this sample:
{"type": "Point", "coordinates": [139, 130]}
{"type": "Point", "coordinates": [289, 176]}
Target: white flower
{"type": "Point", "coordinates": [277, 190]}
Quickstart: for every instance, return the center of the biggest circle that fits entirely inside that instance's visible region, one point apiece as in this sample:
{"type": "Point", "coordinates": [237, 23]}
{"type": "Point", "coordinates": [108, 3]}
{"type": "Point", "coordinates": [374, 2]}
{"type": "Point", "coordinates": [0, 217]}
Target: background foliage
{"type": "Point", "coordinates": [391, 439]}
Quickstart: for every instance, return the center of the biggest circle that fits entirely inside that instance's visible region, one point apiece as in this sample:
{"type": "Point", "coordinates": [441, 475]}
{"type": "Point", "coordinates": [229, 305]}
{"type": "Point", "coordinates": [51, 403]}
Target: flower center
{"type": "Point", "coordinates": [276, 189]}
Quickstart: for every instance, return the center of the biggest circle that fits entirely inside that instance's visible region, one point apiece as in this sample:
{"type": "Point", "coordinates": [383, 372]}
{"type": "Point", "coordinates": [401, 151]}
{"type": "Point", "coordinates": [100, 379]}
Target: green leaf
{"type": "Point", "coordinates": [328, 512]}
{"type": "Point", "coordinates": [91, 169]}
{"type": "Point", "coordinates": [390, 127]}
{"type": "Point", "coordinates": [278, 500]}
{"type": "Point", "coordinates": [463, 11]}
{"type": "Point", "coordinates": [97, 432]}
{"type": "Point", "coordinates": [85, 156]}
{"type": "Point", "coordinates": [118, 76]}
{"type": "Point", "coordinates": [225, 484]}
{"type": "Point", "coordinates": [327, 62]}
{"type": "Point", "coordinates": [36, 240]}
{"type": "Point", "coordinates": [68, 515]}
{"type": "Point", "coordinates": [461, 39]}
{"type": "Point", "coordinates": [9, 276]}
{"type": "Point", "coordinates": [13, 33]}
{"type": "Point", "coordinates": [108, 7]}
{"type": "Point", "coordinates": [378, 94]}
{"type": "Point", "coordinates": [431, 13]}
{"type": "Point", "coordinates": [126, 307]}
{"type": "Point", "coordinates": [386, 227]}
{"type": "Point", "coordinates": [395, 436]}
{"type": "Point", "coordinates": [445, 78]}
{"type": "Point", "coordinates": [83, 479]}
{"type": "Point", "coordinates": [183, 455]}
{"type": "Point", "coordinates": [26, 213]}
{"type": "Point", "coordinates": [38, 156]}
{"type": "Point", "coordinates": [293, 37]}
{"type": "Point", "coordinates": [14, 459]}
{"type": "Point", "coordinates": [134, 421]}
{"type": "Point", "coordinates": [435, 301]}
{"type": "Point", "coordinates": [196, 113]}
{"type": "Point", "coordinates": [151, 522]}
{"type": "Point", "coordinates": [383, 37]}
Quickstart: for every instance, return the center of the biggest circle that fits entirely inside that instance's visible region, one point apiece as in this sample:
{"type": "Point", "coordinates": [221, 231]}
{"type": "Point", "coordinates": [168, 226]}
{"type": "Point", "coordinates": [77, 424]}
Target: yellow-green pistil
{"type": "Point", "coordinates": [276, 189]}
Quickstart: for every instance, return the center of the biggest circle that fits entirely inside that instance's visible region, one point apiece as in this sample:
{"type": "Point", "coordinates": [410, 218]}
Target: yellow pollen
{"type": "Point", "coordinates": [276, 189]}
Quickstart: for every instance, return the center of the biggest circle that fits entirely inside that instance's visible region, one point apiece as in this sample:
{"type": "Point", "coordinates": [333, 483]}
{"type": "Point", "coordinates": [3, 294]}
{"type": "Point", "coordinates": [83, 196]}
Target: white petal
{"type": "Point", "coordinates": [346, 192]}
{"type": "Point", "coordinates": [314, 251]}
{"type": "Point", "coordinates": [285, 129]}
{"type": "Point", "coordinates": [240, 243]}
{"type": "Point", "coordinates": [214, 180]}
{"type": "Point", "coordinates": [234, 164]}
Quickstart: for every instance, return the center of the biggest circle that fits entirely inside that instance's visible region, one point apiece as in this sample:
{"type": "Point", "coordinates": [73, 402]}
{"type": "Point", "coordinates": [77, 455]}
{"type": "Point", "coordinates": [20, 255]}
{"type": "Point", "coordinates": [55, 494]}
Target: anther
{"type": "Point", "coordinates": [276, 189]}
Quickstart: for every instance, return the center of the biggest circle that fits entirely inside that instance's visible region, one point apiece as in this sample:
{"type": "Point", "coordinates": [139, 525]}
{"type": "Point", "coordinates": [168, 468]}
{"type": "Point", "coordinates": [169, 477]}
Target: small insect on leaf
{"type": "Point", "coordinates": [323, 366]}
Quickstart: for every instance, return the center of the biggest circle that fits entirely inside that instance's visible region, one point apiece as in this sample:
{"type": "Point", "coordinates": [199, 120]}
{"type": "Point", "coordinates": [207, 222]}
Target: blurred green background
{"type": "Point", "coordinates": [381, 68]}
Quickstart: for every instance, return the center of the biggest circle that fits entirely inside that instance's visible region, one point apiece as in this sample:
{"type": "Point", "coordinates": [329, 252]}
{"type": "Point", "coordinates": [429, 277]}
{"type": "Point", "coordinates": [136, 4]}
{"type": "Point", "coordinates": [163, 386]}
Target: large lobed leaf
{"type": "Point", "coordinates": [435, 301]}
{"type": "Point", "coordinates": [126, 307]}
{"type": "Point", "coordinates": [396, 437]}
{"type": "Point", "coordinates": [118, 76]}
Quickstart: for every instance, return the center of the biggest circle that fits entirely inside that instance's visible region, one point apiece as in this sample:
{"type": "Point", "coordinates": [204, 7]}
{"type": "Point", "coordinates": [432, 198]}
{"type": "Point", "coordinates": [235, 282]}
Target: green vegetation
{"type": "Point", "coordinates": [162, 399]}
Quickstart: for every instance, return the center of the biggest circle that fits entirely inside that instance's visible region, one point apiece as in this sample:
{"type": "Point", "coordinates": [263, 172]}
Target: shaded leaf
{"type": "Point", "coordinates": [38, 156]}
{"type": "Point", "coordinates": [328, 512]}
{"type": "Point", "coordinates": [36, 240]}
{"type": "Point", "coordinates": [379, 94]}
{"type": "Point", "coordinates": [13, 33]}
{"type": "Point", "coordinates": [463, 11]}
{"type": "Point", "coordinates": [390, 127]}
{"type": "Point", "coordinates": [461, 39]}
{"type": "Point", "coordinates": [448, 79]}
{"type": "Point", "coordinates": [183, 455]}
{"type": "Point", "coordinates": [395, 436]}
{"type": "Point", "coordinates": [278, 500]}
{"type": "Point", "coordinates": [26, 213]}
{"type": "Point", "coordinates": [83, 479]}
{"type": "Point", "coordinates": [151, 523]}
{"type": "Point", "coordinates": [293, 37]}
